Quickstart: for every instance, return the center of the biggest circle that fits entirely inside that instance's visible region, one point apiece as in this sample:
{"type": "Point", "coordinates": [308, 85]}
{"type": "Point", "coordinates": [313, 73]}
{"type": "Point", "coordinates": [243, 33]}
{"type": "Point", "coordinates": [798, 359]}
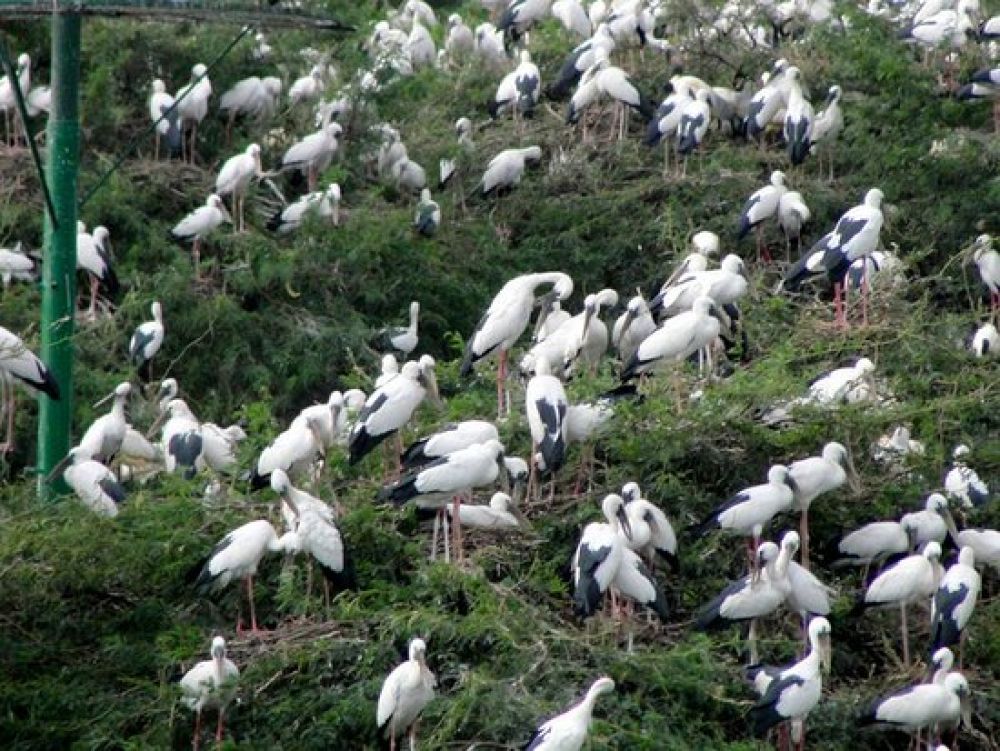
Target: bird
{"type": "Point", "coordinates": [389, 407]}
{"type": "Point", "coordinates": [747, 512]}
{"type": "Point", "coordinates": [799, 119]}
{"type": "Point", "coordinates": [873, 543]}
{"type": "Point", "coordinates": [954, 602]}
{"type": "Point", "coordinates": [518, 91]}
{"type": "Point", "coordinates": [696, 116]}
{"type": "Point", "coordinates": [506, 319]}
{"type": "Point", "coordinates": [580, 339]}
{"type": "Point", "coordinates": [407, 690]}
{"type": "Point", "coordinates": [93, 483]}
{"type": "Point", "coordinates": [856, 235]}
{"type": "Point", "coordinates": [568, 731]}
{"type": "Point", "coordinates": [401, 339]}
{"type": "Point", "coordinates": [983, 84]}
{"type": "Point", "coordinates": [850, 384]}
{"type": "Point", "coordinates": [923, 705]}
{"type": "Point", "coordinates": [307, 87]}
{"type": "Point", "coordinates": [573, 17]}
{"type": "Point", "coordinates": [293, 451]}
{"type": "Point", "coordinates": [676, 339]}
{"type": "Point", "coordinates": [448, 439]}
{"type": "Point", "coordinates": [93, 256]}
{"type": "Point", "coordinates": [180, 438]}
{"type": "Point", "coordinates": [104, 436]}
{"type": "Point", "coordinates": [985, 341]}
{"type": "Point", "coordinates": [501, 514]}
{"type": "Point", "coordinates": [19, 362]}
{"type": "Point", "coordinates": [793, 213]}
{"type": "Point", "coordinates": [505, 170]}
{"type": "Point", "coordinates": [407, 174]}
{"type": "Point", "coordinates": [459, 41]}
{"type": "Point", "coordinates": [761, 206]}
{"type": "Point", "coordinates": [546, 405]}
{"type": "Point", "coordinates": [704, 245]}
{"type": "Point", "coordinates": [667, 119]}
{"type": "Point", "coordinates": [520, 15]}
{"type": "Point", "coordinates": [146, 342]}
{"type": "Point", "coordinates": [827, 125]}
{"type": "Point", "coordinates": [234, 179]}
{"type": "Point", "coordinates": [962, 483]}
{"type": "Point", "coordinates": [314, 533]}
{"type": "Point", "coordinates": [253, 97]}
{"type": "Point", "coordinates": [794, 691]}
{"type": "Point", "coordinates": [930, 523]}
{"type": "Point", "coordinates": [448, 479]}
{"type": "Point", "coordinates": [598, 555]}
{"type": "Point", "coordinates": [200, 223]}
{"type": "Point", "coordinates": [579, 60]}
{"type": "Point", "coordinates": [314, 153]}
{"type": "Point", "coordinates": [724, 285]}
{"type": "Point", "coordinates": [419, 47]}
{"type": "Point", "coordinates": [652, 533]}
{"type": "Point", "coordinates": [8, 103]}
{"type": "Point", "coordinates": [16, 264]}
{"type": "Point", "coordinates": [604, 80]}
{"type": "Point", "coordinates": [910, 580]}
{"type": "Point", "coordinates": [632, 327]}
{"type": "Point", "coordinates": [987, 261]}
{"type": "Point", "coordinates": [892, 447]}
{"type": "Point", "coordinates": [428, 217]}
{"type": "Point", "coordinates": [210, 684]}
{"type": "Point", "coordinates": [321, 203]}
{"type": "Point", "coordinates": [219, 445]}
{"type": "Point", "coordinates": [815, 476]}
{"type": "Point", "coordinates": [237, 556]}
{"type": "Point", "coordinates": [768, 100]}
{"type": "Point", "coordinates": [192, 106]}
{"type": "Point", "coordinates": [163, 112]}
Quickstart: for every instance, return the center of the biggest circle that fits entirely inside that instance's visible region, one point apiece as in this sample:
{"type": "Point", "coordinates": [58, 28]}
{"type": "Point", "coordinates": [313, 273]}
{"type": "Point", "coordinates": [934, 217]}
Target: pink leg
{"type": "Point", "coordinates": [838, 306]}
{"type": "Point", "coordinates": [219, 725]}
{"type": "Point", "coordinates": [502, 385]}
{"type": "Point", "coordinates": [253, 613]}
{"type": "Point", "coordinates": [196, 257]}
{"type": "Point", "coordinates": [804, 535]}
{"type": "Point", "coordinates": [196, 738]}
{"type": "Point", "coordinates": [93, 296]}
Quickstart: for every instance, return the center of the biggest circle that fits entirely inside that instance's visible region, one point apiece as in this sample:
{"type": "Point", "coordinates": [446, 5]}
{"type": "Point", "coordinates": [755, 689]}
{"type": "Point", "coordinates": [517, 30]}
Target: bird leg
{"type": "Point", "coordinates": [10, 403]}
{"type": "Point", "coordinates": [92, 312]}
{"type": "Point", "coordinates": [838, 306]}
{"type": "Point", "coordinates": [752, 639]}
{"type": "Point", "coordinates": [447, 534]}
{"type": "Point", "coordinates": [864, 294]}
{"type": "Point", "coordinates": [196, 257]}
{"type": "Point", "coordinates": [156, 147]}
{"type": "Point", "coordinates": [253, 613]}
{"type": "Point", "coordinates": [906, 639]}
{"type": "Point", "coordinates": [804, 535]}
{"type": "Point", "coordinates": [194, 140]}
{"type": "Point", "coordinates": [532, 473]}
{"type": "Point", "coordinates": [413, 735]}
{"type": "Point", "coordinates": [196, 738]}
{"type": "Point", "coordinates": [434, 534]}
{"type": "Point", "coordinates": [219, 725]}
{"type": "Point", "coordinates": [392, 735]}
{"type": "Point", "coordinates": [501, 384]}
{"type": "Point", "coordinates": [311, 177]}
{"type": "Point", "coordinates": [456, 526]}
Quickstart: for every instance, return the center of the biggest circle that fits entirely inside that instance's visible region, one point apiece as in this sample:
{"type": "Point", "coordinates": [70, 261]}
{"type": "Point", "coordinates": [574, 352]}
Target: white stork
{"type": "Point", "coordinates": [500, 515]}
{"type": "Point", "coordinates": [234, 179]}
{"type": "Point", "coordinates": [236, 556]}
{"type": "Point", "coordinates": [313, 153]}
{"type": "Point", "coordinates": [913, 579]}
{"type": "Point", "coordinates": [676, 339]}
{"type": "Point", "coordinates": [19, 362]}
{"type": "Point", "coordinates": [93, 483]}
{"type": "Point", "coordinates": [192, 106]}
{"type": "Point", "coordinates": [445, 480]}
{"type": "Point", "coordinates": [768, 101]}
{"type": "Point", "coordinates": [568, 731]}
{"type": "Point", "coordinates": [103, 438]}
{"type": "Point", "coordinates": [293, 451]}
{"type": "Point", "coordinates": [518, 91]}
{"type": "Point", "coordinates": [962, 482]}
{"type": "Point", "coordinates": [146, 342]}
{"type": "Point", "coordinates": [598, 555]}
{"type": "Point", "coordinates": [799, 119]}
{"type": "Point", "coordinates": [604, 80]}
{"type": "Point", "coordinates": [449, 439]}
{"type": "Point", "coordinates": [324, 203]}
{"type": "Point", "coordinates": [402, 339]}
{"type": "Point", "coordinates": [761, 206]}
{"type": "Point", "coordinates": [815, 476]}
{"type": "Point", "coordinates": [930, 523]}
{"type": "Point", "coordinates": [505, 169]}
{"type": "Point", "coordinates": [161, 103]}
{"type": "Point", "coordinates": [827, 126]}
{"type": "Point", "coordinates": [200, 223]}
{"type": "Point", "coordinates": [924, 705]}
{"type": "Point", "coordinates": [406, 691]}
{"type": "Point", "coordinates": [546, 405]}
{"type": "Point", "coordinates": [652, 533]}
{"type": "Point", "coordinates": [93, 256]}
{"type": "Point", "coordinates": [632, 328]}
{"type": "Point", "coordinates": [210, 684]}
{"type": "Point", "coordinates": [667, 119]}
{"type": "Point", "coordinates": [724, 285]}
{"type": "Point", "coordinates": [506, 319]}
{"type": "Point", "coordinates": [954, 601]}
{"type": "Point", "coordinates": [850, 384]}
{"type": "Point", "coordinates": [872, 543]}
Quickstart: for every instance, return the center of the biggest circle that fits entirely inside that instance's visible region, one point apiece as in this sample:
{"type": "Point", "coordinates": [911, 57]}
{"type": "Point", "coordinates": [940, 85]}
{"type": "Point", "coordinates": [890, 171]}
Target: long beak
{"type": "Point", "coordinates": [853, 479]}
{"type": "Point", "coordinates": [791, 483]}
{"type": "Point", "coordinates": [432, 390]}
{"type": "Point", "coordinates": [160, 419]}
{"type": "Point", "coordinates": [588, 315]}
{"type": "Point", "coordinates": [623, 520]}
{"type": "Point", "coordinates": [58, 469]}
{"type": "Point", "coordinates": [626, 324]}
{"type": "Point", "coordinates": [286, 498]}
{"type": "Point", "coordinates": [545, 307]}
{"type": "Point", "coordinates": [966, 711]}
{"type": "Point", "coordinates": [825, 653]}
{"type": "Point", "coordinates": [104, 400]}
{"type": "Point", "coordinates": [949, 522]}
{"type": "Point", "coordinates": [725, 322]}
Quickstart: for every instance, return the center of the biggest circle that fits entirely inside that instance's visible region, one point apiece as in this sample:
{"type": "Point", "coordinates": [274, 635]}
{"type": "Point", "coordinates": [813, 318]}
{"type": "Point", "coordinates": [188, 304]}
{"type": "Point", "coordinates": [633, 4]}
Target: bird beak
{"type": "Point", "coordinates": [627, 324]}
{"type": "Point", "coordinates": [58, 469]}
{"type": "Point", "coordinates": [853, 479]}
{"type": "Point", "coordinates": [791, 483]}
{"type": "Point", "coordinates": [966, 711]}
{"type": "Point", "coordinates": [433, 392]}
{"type": "Point", "coordinates": [949, 522]}
{"type": "Point", "coordinates": [588, 315]}
{"type": "Point", "coordinates": [160, 419]}
{"type": "Point", "coordinates": [544, 304]}
{"type": "Point", "coordinates": [226, 216]}
{"type": "Point", "coordinates": [104, 400]}
{"type": "Point", "coordinates": [623, 519]}
{"type": "Point", "coordinates": [291, 504]}
{"type": "Point", "coordinates": [725, 322]}
{"type": "Point", "coordinates": [825, 653]}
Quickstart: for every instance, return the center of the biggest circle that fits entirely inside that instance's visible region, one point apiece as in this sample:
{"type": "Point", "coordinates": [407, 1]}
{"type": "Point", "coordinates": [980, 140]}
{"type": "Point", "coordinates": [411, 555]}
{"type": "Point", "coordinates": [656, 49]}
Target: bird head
{"type": "Point", "coordinates": [819, 639]}
{"type": "Point", "coordinates": [631, 492]}
{"type": "Point", "coordinates": [218, 649]}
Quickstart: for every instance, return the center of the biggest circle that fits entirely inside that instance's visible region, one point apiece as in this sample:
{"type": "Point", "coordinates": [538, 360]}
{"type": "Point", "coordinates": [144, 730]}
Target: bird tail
{"type": "Point", "coordinates": [631, 369]}
{"type": "Point", "coordinates": [798, 150]}
{"type": "Point", "coordinates": [259, 481]}
{"type": "Point", "coordinates": [400, 491]}
{"type": "Point", "coordinates": [144, 368]}
{"type": "Point", "coordinates": [362, 442]}
{"type": "Point", "coordinates": [110, 281]}
{"type": "Point", "coordinates": [493, 106]}
{"type": "Point", "coordinates": [572, 114]}
{"type": "Point", "coordinates": [687, 143]}
{"type": "Point", "coordinates": [653, 134]}
{"type": "Point", "coordinates": [744, 228]}
{"type": "Point", "coordinates": [414, 454]}
{"type": "Point", "coordinates": [646, 108]}
{"type": "Point", "coordinates": [275, 221]}
{"type": "Point", "coordinates": [553, 452]}
{"type": "Point", "coordinates": [587, 595]}
{"type": "Point", "coordinates": [341, 580]}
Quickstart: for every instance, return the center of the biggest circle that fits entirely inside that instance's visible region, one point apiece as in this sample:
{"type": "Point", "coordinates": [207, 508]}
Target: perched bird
{"type": "Point", "coordinates": [293, 451]}
{"type": "Point", "coordinates": [419, 47]}
{"type": "Point", "coordinates": [762, 205]}
{"type": "Point", "coordinates": [16, 264]}
{"type": "Point", "coordinates": [793, 692]}
{"type": "Point", "coordinates": [987, 260]}
{"type": "Point", "coordinates": [911, 580]}
{"type": "Point", "coordinates": [930, 523]}
{"type": "Point", "coordinates": [146, 342]}
{"type": "Point", "coordinates": [985, 341]}
{"type": "Point", "coordinates": [676, 339]}
{"type": "Point", "coordinates": [954, 601]}
{"type": "Point", "coordinates": [428, 216]}
{"type": "Point", "coordinates": [180, 438]}
{"type": "Point", "coordinates": [923, 705]}
{"type": "Point", "coordinates": [793, 213]}
{"type": "Point", "coordinates": [19, 362]}
{"type": "Point", "coordinates": [695, 119]}
{"type": "Point", "coordinates": [850, 384]}
{"type": "Point", "coordinates": [307, 87]}
{"type": "Point", "coordinates": [192, 106]}
{"type": "Point", "coordinates": [724, 286]}
{"type": "Point", "coordinates": [322, 203]}
{"type": "Point", "coordinates": [406, 691]}
{"type": "Point", "coordinates": [93, 256]}
{"type": "Point", "coordinates": [520, 16]}
{"type": "Point", "coordinates": [501, 514]}
{"type": "Point", "coordinates": [402, 339]}
{"type": "Point", "coordinates": [962, 482]}
{"type": "Point", "coordinates": [579, 60]}
{"type": "Point", "coordinates": [573, 17]}
{"type": "Point", "coordinates": [599, 555]}
{"type": "Point", "coordinates": [93, 483]}
{"type": "Point", "coordinates": [827, 126]}
{"type": "Point", "coordinates": [210, 684]}
{"type": "Point", "coordinates": [799, 119]}
{"type": "Point", "coordinates": [652, 533]}
{"type": "Point", "coordinates": [873, 543]}
{"type": "Point", "coordinates": [546, 405]}
{"type": "Point", "coordinates": [818, 475]}
{"type": "Point", "coordinates": [237, 556]}
{"type": "Point", "coordinates": [200, 223]}
{"type": "Point", "coordinates": [518, 90]}
{"type": "Point", "coordinates": [103, 438]}
{"type": "Point", "coordinates": [768, 101]}
{"type": "Point", "coordinates": [234, 179]}
{"type": "Point", "coordinates": [252, 97]}
{"type": "Point", "coordinates": [459, 41]}
{"type": "Point", "coordinates": [314, 153]}
{"type": "Point", "coordinates": [163, 112]}
{"type": "Point", "coordinates": [568, 731]}
{"type": "Point", "coordinates": [604, 80]}
{"type": "Point", "coordinates": [667, 119]}
{"type": "Point", "coordinates": [219, 446]}
{"type": "Point", "coordinates": [449, 439]}
{"type": "Point", "coordinates": [632, 327]}
{"type": "Point", "coordinates": [505, 169]}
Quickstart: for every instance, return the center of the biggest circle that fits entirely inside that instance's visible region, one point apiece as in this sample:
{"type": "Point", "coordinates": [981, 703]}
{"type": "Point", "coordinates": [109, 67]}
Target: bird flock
{"type": "Point", "coordinates": [688, 331]}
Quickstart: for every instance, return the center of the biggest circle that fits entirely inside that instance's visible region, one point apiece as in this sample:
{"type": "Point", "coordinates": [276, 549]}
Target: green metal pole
{"type": "Point", "coordinates": [59, 267]}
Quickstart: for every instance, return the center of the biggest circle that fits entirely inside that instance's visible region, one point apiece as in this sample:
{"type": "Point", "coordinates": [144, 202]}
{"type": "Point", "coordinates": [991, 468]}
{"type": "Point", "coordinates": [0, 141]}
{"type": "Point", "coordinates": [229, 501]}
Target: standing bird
{"type": "Point", "coordinates": [93, 483]}
{"type": "Point", "coordinates": [234, 179]}
{"type": "Point", "coordinates": [307, 87]}
{"type": "Point", "coordinates": [578, 61]}
{"type": "Point", "coordinates": [603, 80]}
{"type": "Point", "coordinates": [161, 105]}
{"type": "Point", "coordinates": [518, 91]}
{"type": "Point", "coordinates": [818, 475]}
{"type": "Point", "coordinates": [8, 100]}
{"type": "Point", "coordinates": [695, 119]}
{"type": "Point", "coordinates": [505, 169]}
{"type": "Point", "coordinates": [632, 328]}
{"type": "Point", "coordinates": [313, 153]}
{"type": "Point", "coordinates": [237, 556]}
{"type": "Point", "coordinates": [402, 339]}
{"type": "Point", "coordinates": [923, 705]}
{"type": "Point", "coordinates": [793, 692]}
{"type": "Point", "coordinates": [954, 601]}
{"type": "Point", "coordinates": [449, 439]}
{"type": "Point", "coordinates": [911, 580]}
{"type": "Point", "coordinates": [546, 405]}
{"type": "Point", "coordinates": [520, 16]}
{"type": "Point", "coordinates": [962, 482]}
{"type": "Point", "coordinates": [987, 260]}
{"type": "Point", "coordinates": [459, 42]}
{"type": "Point", "coordinates": [192, 106]}
{"type": "Point", "coordinates": [652, 533]}
{"type": "Point", "coordinates": [199, 224]}
{"type": "Point", "coordinates": [667, 119]}
{"type": "Point", "coordinates": [568, 731]}
{"type": "Point", "coordinates": [799, 119]}
{"type": "Point", "coordinates": [180, 440]}
{"type": "Point", "coordinates": [676, 339]}
{"type": "Point", "coordinates": [762, 205]}
{"type": "Point", "coordinates": [293, 451]}
{"type": "Point", "coordinates": [873, 543]}
{"type": "Point", "coordinates": [146, 342]}
{"type": "Point", "coordinates": [210, 683]}
{"type": "Point", "coordinates": [390, 406]}
{"type": "Point", "coordinates": [93, 256]}
{"type": "Point", "coordinates": [428, 216]}
{"type": "Point", "coordinates": [17, 361]}
{"type": "Point", "coordinates": [324, 203]}
{"type": "Point", "coordinates": [793, 213]}
{"type": "Point", "coordinates": [855, 236]}
{"type": "Point", "coordinates": [16, 264]}
{"type": "Point", "coordinates": [252, 97]}
{"type": "Point", "coordinates": [406, 691]}
{"type": "Point", "coordinates": [599, 555]}
{"type": "Point", "coordinates": [985, 341]}
{"type": "Point", "coordinates": [103, 438]}
{"type": "Point", "coordinates": [768, 101]}
{"type": "Point", "coordinates": [827, 126]}
{"type": "Point", "coordinates": [506, 319]}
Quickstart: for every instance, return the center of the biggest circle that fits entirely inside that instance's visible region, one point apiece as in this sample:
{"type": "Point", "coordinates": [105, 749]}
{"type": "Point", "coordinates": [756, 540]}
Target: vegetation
{"type": "Point", "coordinates": [98, 620]}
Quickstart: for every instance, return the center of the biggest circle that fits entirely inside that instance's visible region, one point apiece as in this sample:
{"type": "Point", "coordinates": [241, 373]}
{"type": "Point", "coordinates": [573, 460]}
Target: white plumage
{"type": "Point", "coordinates": [793, 213]}
{"type": "Point", "coordinates": [201, 222]}
{"type": "Point", "coordinates": [724, 285]}
{"type": "Point", "coordinates": [103, 438]}
{"type": "Point", "coordinates": [987, 260]}
{"type": "Point", "coordinates": [93, 483]}
{"type": "Point", "coordinates": [924, 705]}
{"type": "Point", "coordinates": [912, 579]}
{"type": "Point", "coordinates": [848, 384]}
{"type": "Point", "coordinates": [16, 264]}
{"type": "Point", "coordinates": [519, 90]}
{"type": "Point", "coordinates": [749, 510]}
{"type": "Point", "coordinates": [676, 339]}
{"type": "Point", "coordinates": [962, 483]}
{"type": "Point", "coordinates": [568, 731]}
{"type": "Point", "coordinates": [507, 167]}
{"type": "Point", "coordinates": [146, 341]}
{"type": "Point", "coordinates": [498, 515]}
{"type": "Point", "coordinates": [323, 203]}
{"type": "Point", "coordinates": [546, 405]}
{"type": "Point", "coordinates": [460, 40]}
{"type": "Point", "coordinates": [985, 341]}
{"type": "Point", "coordinates": [180, 438]}
{"type": "Point", "coordinates": [419, 47]}
{"type": "Point", "coordinates": [828, 124]}
{"type": "Point", "coordinates": [632, 327]}
{"type": "Point", "coordinates": [815, 476]}
{"type": "Point", "coordinates": [448, 440]}
{"type": "Point", "coordinates": [219, 446]}
{"type": "Point", "coordinates": [406, 691]}
{"type": "Point", "coordinates": [210, 684]}
{"type": "Point", "coordinates": [874, 542]}
{"type": "Point", "coordinates": [572, 16]}
{"type": "Point", "coordinates": [930, 523]}
{"type": "Point", "coordinates": [235, 176]}
{"type": "Point", "coordinates": [799, 119]}
{"type": "Point", "coordinates": [955, 600]}
{"type": "Point", "coordinates": [652, 533]}
{"type": "Point", "coordinates": [252, 97]}
{"type": "Point", "coordinates": [192, 106]}
{"type": "Point", "coordinates": [314, 153]}
{"type": "Point", "coordinates": [307, 87]}
{"type": "Point", "coordinates": [599, 554]}
{"type": "Point", "coordinates": [160, 104]}
{"type": "Point", "coordinates": [293, 451]}
{"type": "Point", "coordinates": [762, 205]}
